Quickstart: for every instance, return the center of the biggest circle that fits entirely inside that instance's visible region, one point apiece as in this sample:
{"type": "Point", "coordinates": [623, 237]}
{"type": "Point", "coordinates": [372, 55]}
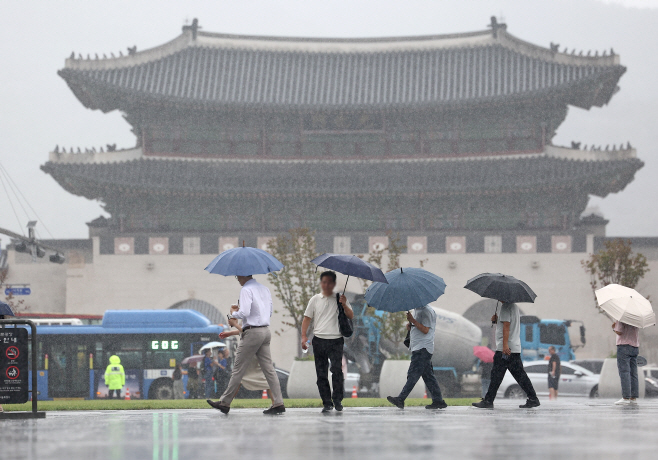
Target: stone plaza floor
{"type": "Point", "coordinates": [566, 429]}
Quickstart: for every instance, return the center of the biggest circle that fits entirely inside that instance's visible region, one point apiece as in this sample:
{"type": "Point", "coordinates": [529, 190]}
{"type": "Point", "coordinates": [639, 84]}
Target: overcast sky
{"type": "Point", "coordinates": [38, 111]}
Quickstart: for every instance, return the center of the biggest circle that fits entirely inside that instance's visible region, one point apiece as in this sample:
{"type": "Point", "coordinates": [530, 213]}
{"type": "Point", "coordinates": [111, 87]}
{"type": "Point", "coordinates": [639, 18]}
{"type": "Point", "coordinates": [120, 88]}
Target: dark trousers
{"type": "Point", "coordinates": [421, 366]}
{"type": "Point", "coordinates": [627, 366]}
{"type": "Point", "coordinates": [514, 365]}
{"type": "Point", "coordinates": [329, 351]}
{"type": "Point", "coordinates": [110, 394]}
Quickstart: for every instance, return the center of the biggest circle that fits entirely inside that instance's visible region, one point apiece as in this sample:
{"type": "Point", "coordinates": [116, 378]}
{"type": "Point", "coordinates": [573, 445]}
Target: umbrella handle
{"type": "Point", "coordinates": [496, 313]}
{"type": "Point", "coordinates": [345, 288]}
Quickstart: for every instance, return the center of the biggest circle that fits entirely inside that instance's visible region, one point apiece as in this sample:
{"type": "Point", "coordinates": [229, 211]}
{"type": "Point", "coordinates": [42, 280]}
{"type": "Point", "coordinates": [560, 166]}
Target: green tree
{"type": "Point", "coordinates": [615, 264]}
{"type": "Point", "coordinates": [297, 282]}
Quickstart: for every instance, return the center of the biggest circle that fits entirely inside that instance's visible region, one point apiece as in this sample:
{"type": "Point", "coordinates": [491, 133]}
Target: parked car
{"type": "Point", "coordinates": [574, 381]}
{"type": "Point", "coordinates": [651, 380]}
{"type": "Point", "coordinates": [592, 365]}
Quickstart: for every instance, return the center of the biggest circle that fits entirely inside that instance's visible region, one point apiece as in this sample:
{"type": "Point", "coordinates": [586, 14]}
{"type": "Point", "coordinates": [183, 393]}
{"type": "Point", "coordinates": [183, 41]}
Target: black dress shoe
{"type": "Point", "coordinates": [326, 408]}
{"type": "Point", "coordinates": [278, 410]}
{"type": "Point", "coordinates": [483, 404]}
{"type": "Point", "coordinates": [218, 406]}
{"type": "Point", "coordinates": [440, 404]}
{"type": "Point", "coordinates": [338, 405]}
{"type": "Point", "coordinates": [530, 403]}
{"type": "Point", "coordinates": [397, 402]}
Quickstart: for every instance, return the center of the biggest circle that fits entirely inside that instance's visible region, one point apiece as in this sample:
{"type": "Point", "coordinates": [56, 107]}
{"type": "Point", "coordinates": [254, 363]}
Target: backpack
{"type": "Point", "coordinates": [344, 323]}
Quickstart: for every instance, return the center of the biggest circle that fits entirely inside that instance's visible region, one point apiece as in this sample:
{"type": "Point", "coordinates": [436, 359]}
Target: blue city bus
{"type": "Point", "coordinates": [72, 359]}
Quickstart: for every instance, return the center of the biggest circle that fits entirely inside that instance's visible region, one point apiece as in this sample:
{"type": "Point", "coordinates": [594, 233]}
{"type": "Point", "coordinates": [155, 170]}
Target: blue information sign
{"type": "Point", "coordinates": [18, 291]}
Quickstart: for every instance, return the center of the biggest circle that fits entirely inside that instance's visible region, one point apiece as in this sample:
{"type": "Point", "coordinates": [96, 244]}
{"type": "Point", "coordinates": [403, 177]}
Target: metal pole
{"type": "Point", "coordinates": [34, 365]}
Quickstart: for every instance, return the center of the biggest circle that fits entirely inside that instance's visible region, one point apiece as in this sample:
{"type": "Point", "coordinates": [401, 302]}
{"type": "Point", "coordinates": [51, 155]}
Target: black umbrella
{"type": "Point", "coordinates": [351, 266]}
{"type": "Point", "coordinates": [503, 288]}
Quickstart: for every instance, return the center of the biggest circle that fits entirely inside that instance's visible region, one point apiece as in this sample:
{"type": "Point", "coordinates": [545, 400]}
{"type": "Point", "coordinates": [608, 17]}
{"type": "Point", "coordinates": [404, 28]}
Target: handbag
{"type": "Point", "coordinates": [344, 323]}
{"type": "Point", "coordinates": [407, 339]}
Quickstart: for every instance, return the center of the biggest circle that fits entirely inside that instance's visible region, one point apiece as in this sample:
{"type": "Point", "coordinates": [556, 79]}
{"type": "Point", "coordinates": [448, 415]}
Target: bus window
{"type": "Point", "coordinates": [162, 359]}
{"type": "Point", "coordinates": [130, 359]}
{"type": "Point", "coordinates": [98, 356]}
{"type": "Point", "coordinates": [131, 354]}
{"type": "Point", "coordinates": [529, 333]}
{"type": "Point", "coordinates": [552, 334]}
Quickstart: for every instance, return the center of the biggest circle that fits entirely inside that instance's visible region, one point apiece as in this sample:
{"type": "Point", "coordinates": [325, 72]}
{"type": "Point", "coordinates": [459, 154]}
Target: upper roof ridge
{"type": "Point", "coordinates": [191, 37]}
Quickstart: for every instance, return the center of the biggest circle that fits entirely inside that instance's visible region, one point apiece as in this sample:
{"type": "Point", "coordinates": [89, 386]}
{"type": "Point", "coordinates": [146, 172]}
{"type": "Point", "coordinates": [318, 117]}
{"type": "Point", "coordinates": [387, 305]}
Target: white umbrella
{"type": "Point", "coordinates": [626, 305]}
{"type": "Point", "coordinates": [211, 345]}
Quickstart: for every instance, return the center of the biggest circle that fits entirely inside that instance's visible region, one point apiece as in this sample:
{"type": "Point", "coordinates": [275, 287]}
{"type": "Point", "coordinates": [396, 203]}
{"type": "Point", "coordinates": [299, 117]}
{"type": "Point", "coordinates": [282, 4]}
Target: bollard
{"type": "Point", "coordinates": [354, 394]}
{"type": "Point", "coordinates": [264, 396]}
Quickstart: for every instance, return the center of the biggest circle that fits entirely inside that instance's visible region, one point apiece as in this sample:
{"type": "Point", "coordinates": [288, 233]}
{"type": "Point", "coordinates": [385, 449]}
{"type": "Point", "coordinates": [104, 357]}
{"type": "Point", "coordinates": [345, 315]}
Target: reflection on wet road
{"type": "Point", "coordinates": [567, 429]}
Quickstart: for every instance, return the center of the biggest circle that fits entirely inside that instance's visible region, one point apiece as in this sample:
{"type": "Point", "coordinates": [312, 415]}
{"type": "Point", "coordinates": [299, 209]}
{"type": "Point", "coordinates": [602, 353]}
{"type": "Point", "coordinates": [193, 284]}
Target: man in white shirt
{"type": "Point", "coordinates": [254, 309]}
{"type": "Point", "coordinates": [508, 357]}
{"type": "Point", "coordinates": [327, 342]}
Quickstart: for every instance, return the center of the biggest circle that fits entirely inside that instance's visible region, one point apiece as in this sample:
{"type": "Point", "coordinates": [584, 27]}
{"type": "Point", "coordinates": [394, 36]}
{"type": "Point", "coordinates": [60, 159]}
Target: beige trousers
{"type": "Point", "coordinates": [254, 342]}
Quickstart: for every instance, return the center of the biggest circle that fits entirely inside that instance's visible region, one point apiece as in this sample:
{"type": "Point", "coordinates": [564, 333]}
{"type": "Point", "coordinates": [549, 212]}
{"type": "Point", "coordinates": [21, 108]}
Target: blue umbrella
{"type": "Point", "coordinates": [351, 266]}
{"type": "Point", "coordinates": [407, 288]}
{"type": "Point", "coordinates": [244, 261]}
{"type": "Point", "coordinates": [5, 310]}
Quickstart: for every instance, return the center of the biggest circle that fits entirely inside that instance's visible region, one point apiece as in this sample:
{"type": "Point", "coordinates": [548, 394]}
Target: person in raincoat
{"type": "Point", "coordinates": [115, 377]}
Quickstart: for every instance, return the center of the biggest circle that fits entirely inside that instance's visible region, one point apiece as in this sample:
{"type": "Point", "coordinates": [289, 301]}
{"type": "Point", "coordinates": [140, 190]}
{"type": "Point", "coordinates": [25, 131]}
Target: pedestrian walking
{"type": "Point", "coordinates": [221, 374]}
{"type": "Point", "coordinates": [115, 377]}
{"type": "Point", "coordinates": [208, 371]}
{"type": "Point", "coordinates": [253, 379]}
{"type": "Point", "coordinates": [508, 357]}
{"type": "Point", "coordinates": [628, 347]}
{"type": "Point", "coordinates": [177, 377]}
{"type": "Point", "coordinates": [193, 386]}
{"type": "Point", "coordinates": [255, 310]}
{"type": "Point", "coordinates": [554, 372]}
{"type": "Point", "coordinates": [322, 312]}
{"type": "Point", "coordinates": [421, 326]}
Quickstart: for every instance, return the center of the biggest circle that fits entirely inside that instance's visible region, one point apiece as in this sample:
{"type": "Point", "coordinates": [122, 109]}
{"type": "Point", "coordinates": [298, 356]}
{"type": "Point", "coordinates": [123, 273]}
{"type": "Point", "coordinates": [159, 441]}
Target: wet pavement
{"type": "Point", "coordinates": [567, 429]}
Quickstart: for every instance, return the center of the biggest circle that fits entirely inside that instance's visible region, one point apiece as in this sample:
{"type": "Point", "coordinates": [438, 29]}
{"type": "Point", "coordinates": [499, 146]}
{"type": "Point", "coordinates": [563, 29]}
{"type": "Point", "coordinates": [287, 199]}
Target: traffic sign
{"type": "Point", "coordinates": [12, 372]}
{"type": "Point", "coordinates": [12, 352]}
{"type": "Point", "coordinates": [13, 366]}
{"type": "Point", "coordinates": [18, 291]}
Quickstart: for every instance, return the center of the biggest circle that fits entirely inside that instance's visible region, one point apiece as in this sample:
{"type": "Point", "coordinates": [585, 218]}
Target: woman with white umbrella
{"type": "Point", "coordinates": [631, 312]}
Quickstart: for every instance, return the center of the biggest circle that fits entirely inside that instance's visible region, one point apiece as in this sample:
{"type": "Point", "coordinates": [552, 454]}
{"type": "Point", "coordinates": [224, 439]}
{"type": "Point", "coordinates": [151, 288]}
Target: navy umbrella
{"type": "Point", "coordinates": [5, 310]}
{"type": "Point", "coordinates": [504, 288]}
{"type": "Point", "coordinates": [407, 288]}
{"type": "Point", "coordinates": [244, 261]}
{"type": "Point", "coordinates": [351, 266]}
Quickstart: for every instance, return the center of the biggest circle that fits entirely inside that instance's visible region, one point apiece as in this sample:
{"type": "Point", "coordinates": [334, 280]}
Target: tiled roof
{"type": "Point", "coordinates": [216, 70]}
{"type": "Point", "coordinates": [377, 177]}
